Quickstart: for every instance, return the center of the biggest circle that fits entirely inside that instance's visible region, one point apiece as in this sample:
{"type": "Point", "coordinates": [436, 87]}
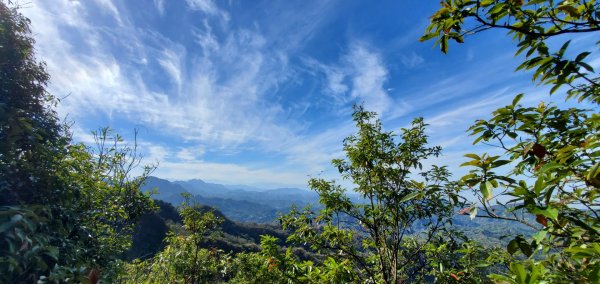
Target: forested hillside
{"type": "Point", "coordinates": [152, 229]}
{"type": "Point", "coordinates": [524, 212]}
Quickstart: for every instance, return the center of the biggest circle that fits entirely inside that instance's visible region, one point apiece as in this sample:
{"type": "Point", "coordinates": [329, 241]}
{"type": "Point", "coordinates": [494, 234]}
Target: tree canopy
{"type": "Point", "coordinates": [550, 167]}
{"type": "Point", "coordinates": [68, 210]}
{"type": "Point", "coordinates": [397, 196]}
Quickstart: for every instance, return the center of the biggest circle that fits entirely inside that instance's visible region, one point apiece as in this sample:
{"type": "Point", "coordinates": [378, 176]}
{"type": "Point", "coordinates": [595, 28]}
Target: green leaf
{"type": "Point", "coordinates": [539, 236]}
{"type": "Point", "coordinates": [519, 243]}
{"type": "Point", "coordinates": [525, 248]}
{"type": "Point", "coordinates": [444, 44]}
{"type": "Point", "coordinates": [487, 190]}
{"type": "Point", "coordinates": [494, 183]}
{"type": "Point", "coordinates": [410, 196]}
{"type": "Point", "coordinates": [555, 88]}
{"type": "Point", "coordinates": [513, 246]}
{"type": "Point", "coordinates": [586, 66]}
{"type": "Point", "coordinates": [517, 98]}
{"type": "Point", "coordinates": [485, 3]}
{"type": "Point", "coordinates": [569, 10]}
{"type": "Point", "coordinates": [549, 167]}
{"type": "Point", "coordinates": [474, 163]}
{"type": "Point", "coordinates": [473, 156]}
{"type": "Point", "coordinates": [563, 48]}
{"type": "Point", "coordinates": [501, 278]}
{"type": "Point", "coordinates": [519, 271]}
{"type": "Point", "coordinates": [582, 55]}
{"type": "Point", "coordinates": [427, 37]}
{"type": "Point", "coordinates": [478, 139]}
{"type": "Point", "coordinates": [539, 185]}
{"type": "Point", "coordinates": [593, 172]}
{"type": "Point", "coordinates": [500, 163]}
{"type": "Point", "coordinates": [549, 212]}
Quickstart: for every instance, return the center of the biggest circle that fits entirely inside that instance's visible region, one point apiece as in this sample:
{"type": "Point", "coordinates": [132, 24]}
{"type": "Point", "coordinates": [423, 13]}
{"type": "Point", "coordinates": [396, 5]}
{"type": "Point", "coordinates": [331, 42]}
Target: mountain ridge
{"type": "Point", "coordinates": [237, 204]}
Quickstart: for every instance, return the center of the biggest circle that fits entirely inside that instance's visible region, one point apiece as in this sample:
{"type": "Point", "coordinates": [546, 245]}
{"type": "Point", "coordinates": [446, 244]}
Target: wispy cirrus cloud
{"type": "Point", "coordinates": [207, 6]}
{"type": "Point", "coordinates": [358, 77]}
{"type": "Point", "coordinates": [220, 86]}
{"type": "Point", "coordinates": [217, 98]}
{"type": "Point", "coordinates": [412, 60]}
{"type": "Point", "coordinates": [160, 6]}
{"type": "Point", "coordinates": [109, 7]}
{"type": "Point", "coordinates": [259, 92]}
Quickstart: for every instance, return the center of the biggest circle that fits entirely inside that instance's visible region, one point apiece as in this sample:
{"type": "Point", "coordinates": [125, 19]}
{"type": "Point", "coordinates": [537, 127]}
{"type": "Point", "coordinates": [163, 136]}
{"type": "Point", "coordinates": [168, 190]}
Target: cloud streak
{"type": "Point", "coordinates": [220, 93]}
{"type": "Point", "coordinates": [359, 77]}
{"type": "Point", "coordinates": [242, 91]}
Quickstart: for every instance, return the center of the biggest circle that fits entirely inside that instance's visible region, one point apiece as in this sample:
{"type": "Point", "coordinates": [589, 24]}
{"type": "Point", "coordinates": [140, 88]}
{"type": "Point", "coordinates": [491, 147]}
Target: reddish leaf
{"type": "Point", "coordinates": [542, 220]}
{"type": "Point", "coordinates": [539, 150]}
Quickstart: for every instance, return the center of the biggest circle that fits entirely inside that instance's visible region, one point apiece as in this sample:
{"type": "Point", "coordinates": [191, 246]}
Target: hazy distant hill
{"type": "Point", "coordinates": [244, 187]}
{"type": "Point", "coordinates": [164, 190]}
{"type": "Point", "coordinates": [199, 187]}
{"type": "Point", "coordinates": [238, 204]}
{"type": "Point", "coordinates": [276, 198]}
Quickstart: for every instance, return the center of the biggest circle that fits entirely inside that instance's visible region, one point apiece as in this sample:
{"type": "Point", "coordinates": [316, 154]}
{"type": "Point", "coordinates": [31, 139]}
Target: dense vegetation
{"type": "Point", "coordinates": [230, 236]}
{"type": "Point", "coordinates": [67, 210]}
{"type": "Point", "coordinates": [550, 154]}
{"type": "Point", "coordinates": [264, 207]}
{"type": "Point", "coordinates": [70, 212]}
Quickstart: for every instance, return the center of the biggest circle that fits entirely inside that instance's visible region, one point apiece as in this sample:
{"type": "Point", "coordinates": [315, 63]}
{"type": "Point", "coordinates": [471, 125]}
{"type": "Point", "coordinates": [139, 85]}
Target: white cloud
{"type": "Point", "coordinates": [208, 7]}
{"type": "Point", "coordinates": [110, 7]}
{"type": "Point", "coordinates": [315, 152]}
{"type": "Point", "coordinates": [292, 24]}
{"type": "Point", "coordinates": [359, 77]}
{"type": "Point", "coordinates": [223, 97]}
{"type": "Point", "coordinates": [178, 163]}
{"type": "Point", "coordinates": [222, 100]}
{"type": "Point", "coordinates": [82, 136]}
{"type": "Point", "coordinates": [190, 154]}
{"type": "Point", "coordinates": [206, 39]}
{"type": "Point", "coordinates": [467, 114]}
{"type": "Point", "coordinates": [412, 60]}
{"type": "Point", "coordinates": [160, 6]}
{"type": "Point", "coordinates": [335, 80]}
{"type": "Point", "coordinates": [154, 153]}
{"type": "Point", "coordinates": [171, 60]}
{"type": "Point", "coordinates": [369, 75]}
{"type": "Point", "coordinates": [227, 173]}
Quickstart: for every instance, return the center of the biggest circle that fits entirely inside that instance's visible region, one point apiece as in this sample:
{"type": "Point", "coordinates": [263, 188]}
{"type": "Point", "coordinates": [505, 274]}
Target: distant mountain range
{"type": "Point", "coordinates": [239, 203]}
{"type": "Point", "coordinates": [263, 206]}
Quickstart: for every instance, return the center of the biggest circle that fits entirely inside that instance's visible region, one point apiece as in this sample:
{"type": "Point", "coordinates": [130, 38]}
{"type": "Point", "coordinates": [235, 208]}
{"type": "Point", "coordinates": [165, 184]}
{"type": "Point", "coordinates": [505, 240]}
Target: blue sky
{"type": "Point", "coordinates": [261, 92]}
